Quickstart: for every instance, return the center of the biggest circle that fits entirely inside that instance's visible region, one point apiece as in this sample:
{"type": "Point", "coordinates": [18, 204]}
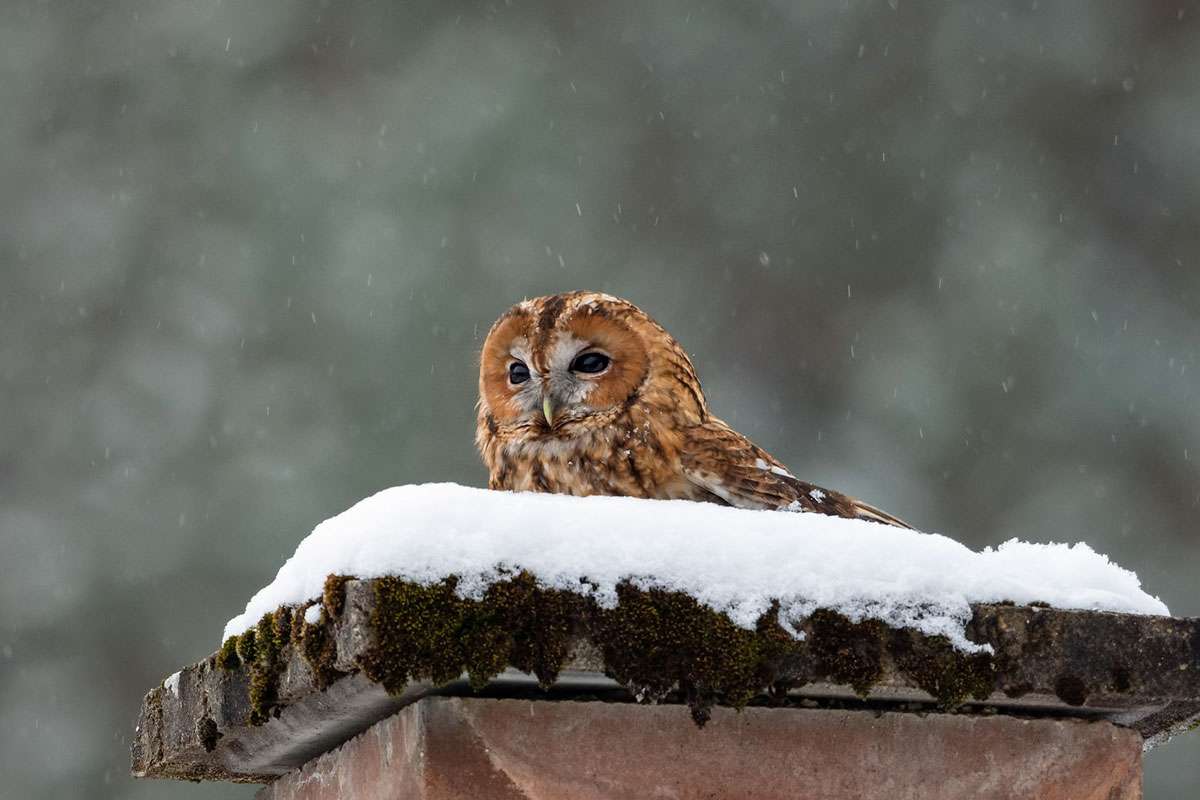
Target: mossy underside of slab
{"type": "Point", "coordinates": [654, 642]}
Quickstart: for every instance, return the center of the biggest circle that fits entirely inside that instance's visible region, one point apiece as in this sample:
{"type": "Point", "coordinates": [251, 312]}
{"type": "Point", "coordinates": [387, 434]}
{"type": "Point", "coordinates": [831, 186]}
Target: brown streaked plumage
{"type": "Point", "coordinates": [582, 393]}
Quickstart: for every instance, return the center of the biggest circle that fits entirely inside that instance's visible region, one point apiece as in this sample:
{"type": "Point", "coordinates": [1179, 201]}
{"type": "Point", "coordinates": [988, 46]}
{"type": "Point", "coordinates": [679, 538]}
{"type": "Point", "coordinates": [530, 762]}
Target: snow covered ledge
{"type": "Point", "coordinates": [470, 611]}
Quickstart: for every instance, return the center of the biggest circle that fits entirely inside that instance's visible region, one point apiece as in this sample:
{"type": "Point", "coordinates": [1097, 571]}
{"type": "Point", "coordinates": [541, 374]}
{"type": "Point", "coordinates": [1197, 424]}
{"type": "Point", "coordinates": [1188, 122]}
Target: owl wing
{"type": "Point", "coordinates": [729, 466]}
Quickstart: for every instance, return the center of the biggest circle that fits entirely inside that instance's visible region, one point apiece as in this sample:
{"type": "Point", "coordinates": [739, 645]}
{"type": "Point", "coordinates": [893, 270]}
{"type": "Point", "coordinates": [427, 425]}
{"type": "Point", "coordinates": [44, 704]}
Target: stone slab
{"type": "Point", "coordinates": [484, 749]}
{"type": "Point", "coordinates": [1138, 671]}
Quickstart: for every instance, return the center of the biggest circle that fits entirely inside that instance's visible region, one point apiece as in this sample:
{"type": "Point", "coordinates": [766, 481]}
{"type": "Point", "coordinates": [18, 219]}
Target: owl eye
{"type": "Point", "coordinates": [517, 372]}
{"type": "Point", "coordinates": [590, 363]}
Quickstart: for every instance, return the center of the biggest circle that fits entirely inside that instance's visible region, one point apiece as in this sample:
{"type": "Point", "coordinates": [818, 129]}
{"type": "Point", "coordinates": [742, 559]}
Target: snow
{"type": "Point", "coordinates": [171, 684]}
{"type": "Point", "coordinates": [312, 614]}
{"type": "Point", "coordinates": [731, 560]}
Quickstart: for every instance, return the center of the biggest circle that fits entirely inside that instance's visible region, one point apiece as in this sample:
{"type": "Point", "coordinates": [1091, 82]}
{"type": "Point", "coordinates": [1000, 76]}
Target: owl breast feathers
{"type": "Point", "coordinates": [584, 394]}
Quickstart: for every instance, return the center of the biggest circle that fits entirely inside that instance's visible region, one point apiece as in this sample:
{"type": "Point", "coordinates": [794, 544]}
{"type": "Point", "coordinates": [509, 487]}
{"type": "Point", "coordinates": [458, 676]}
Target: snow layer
{"type": "Point", "coordinates": [733, 561]}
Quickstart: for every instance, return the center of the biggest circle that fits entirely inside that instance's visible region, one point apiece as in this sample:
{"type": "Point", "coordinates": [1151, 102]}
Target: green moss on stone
{"type": "Point", "coordinates": [520, 624]}
{"type": "Point", "coordinates": [298, 622]}
{"type": "Point", "coordinates": [227, 657]}
{"type": "Point", "coordinates": [262, 650]}
{"type": "Point", "coordinates": [1071, 689]}
{"type": "Point", "coordinates": [282, 623]}
{"type": "Point", "coordinates": [417, 632]}
{"type": "Point", "coordinates": [267, 640]}
{"type": "Point", "coordinates": [656, 640]}
{"type": "Point", "coordinates": [317, 645]}
{"type": "Point", "coordinates": [207, 733]}
{"type": "Point", "coordinates": [950, 675]}
{"type": "Point", "coordinates": [431, 633]}
{"type": "Point", "coordinates": [333, 598]}
{"type": "Point", "coordinates": [847, 652]}
{"type": "Point", "coordinates": [653, 641]}
{"type": "Point", "coordinates": [247, 646]}
{"type": "Point", "coordinates": [266, 666]}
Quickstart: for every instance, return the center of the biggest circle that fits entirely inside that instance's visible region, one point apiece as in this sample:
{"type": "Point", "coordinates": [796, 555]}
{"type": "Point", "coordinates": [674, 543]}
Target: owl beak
{"type": "Point", "coordinates": [548, 409]}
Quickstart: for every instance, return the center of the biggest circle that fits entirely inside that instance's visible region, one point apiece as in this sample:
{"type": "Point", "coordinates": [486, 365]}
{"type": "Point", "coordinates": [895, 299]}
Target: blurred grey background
{"type": "Point", "coordinates": [944, 256]}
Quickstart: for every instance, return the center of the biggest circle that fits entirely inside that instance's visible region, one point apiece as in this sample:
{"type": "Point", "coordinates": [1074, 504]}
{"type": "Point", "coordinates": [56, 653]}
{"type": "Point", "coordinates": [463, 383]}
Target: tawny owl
{"type": "Point", "coordinates": [584, 394]}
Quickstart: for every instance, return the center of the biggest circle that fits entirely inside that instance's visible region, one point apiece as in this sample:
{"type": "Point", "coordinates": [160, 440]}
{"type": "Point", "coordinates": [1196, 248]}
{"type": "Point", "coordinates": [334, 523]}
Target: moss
{"type": "Point", "coordinates": [416, 628]}
{"type": "Point", "coordinates": [227, 657]}
{"type": "Point", "coordinates": [950, 675]}
{"type": "Point", "coordinates": [269, 642]}
{"type": "Point", "coordinates": [207, 733]}
{"type": "Point", "coordinates": [247, 646]}
{"type": "Point", "coordinates": [655, 640]}
{"type": "Point", "coordinates": [854, 653]}
{"type": "Point", "coordinates": [298, 622]}
{"type": "Point", "coordinates": [1071, 689]}
{"type": "Point", "coordinates": [847, 652]}
{"type": "Point", "coordinates": [430, 633]}
{"type": "Point", "coordinates": [1017, 690]}
{"type": "Point", "coordinates": [316, 643]}
{"type": "Point", "coordinates": [261, 649]}
{"type": "Point", "coordinates": [281, 621]}
{"type": "Point", "coordinates": [520, 624]}
{"type": "Point", "coordinates": [333, 598]}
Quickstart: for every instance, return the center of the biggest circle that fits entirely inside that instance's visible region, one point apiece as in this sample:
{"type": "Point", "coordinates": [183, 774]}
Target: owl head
{"type": "Point", "coordinates": [554, 366]}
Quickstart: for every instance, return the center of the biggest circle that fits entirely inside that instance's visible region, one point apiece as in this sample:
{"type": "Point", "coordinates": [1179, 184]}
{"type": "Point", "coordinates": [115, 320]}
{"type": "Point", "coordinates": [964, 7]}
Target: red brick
{"type": "Point", "coordinates": [445, 748]}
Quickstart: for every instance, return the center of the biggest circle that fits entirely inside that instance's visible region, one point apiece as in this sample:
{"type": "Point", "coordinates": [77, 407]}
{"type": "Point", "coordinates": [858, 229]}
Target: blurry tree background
{"type": "Point", "coordinates": [942, 255]}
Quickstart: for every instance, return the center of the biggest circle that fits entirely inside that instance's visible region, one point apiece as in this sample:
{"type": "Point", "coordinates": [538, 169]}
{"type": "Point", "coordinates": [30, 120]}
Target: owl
{"type": "Point", "coordinates": [584, 394]}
